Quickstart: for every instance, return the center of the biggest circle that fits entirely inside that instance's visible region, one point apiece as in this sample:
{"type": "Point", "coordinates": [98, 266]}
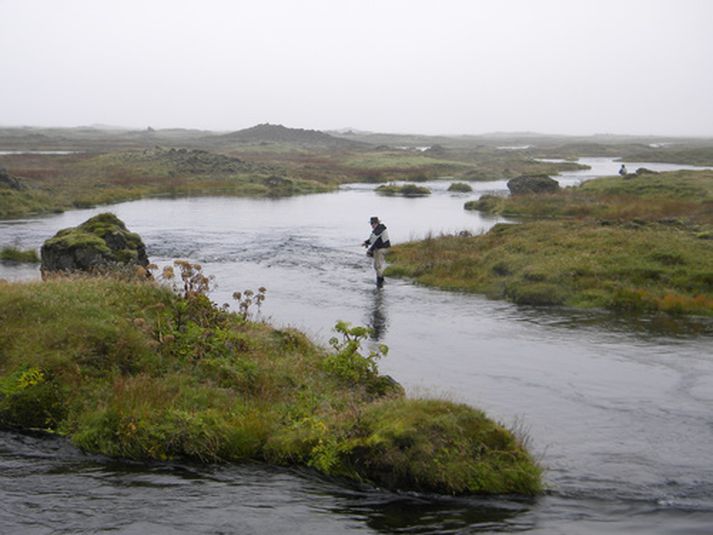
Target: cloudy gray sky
{"type": "Point", "coordinates": [435, 66]}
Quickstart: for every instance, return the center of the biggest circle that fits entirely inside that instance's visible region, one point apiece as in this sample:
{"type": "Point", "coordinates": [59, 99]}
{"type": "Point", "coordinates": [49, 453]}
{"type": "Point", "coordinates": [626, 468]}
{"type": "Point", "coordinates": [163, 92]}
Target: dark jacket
{"type": "Point", "coordinates": [379, 238]}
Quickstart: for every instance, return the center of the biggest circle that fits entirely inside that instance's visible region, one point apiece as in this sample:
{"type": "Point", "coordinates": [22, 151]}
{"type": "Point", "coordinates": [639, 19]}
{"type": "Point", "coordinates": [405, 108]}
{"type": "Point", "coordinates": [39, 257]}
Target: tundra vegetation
{"type": "Point", "coordinates": [403, 190]}
{"type": "Point", "coordinates": [132, 368]}
{"type": "Point", "coordinates": [638, 244]}
{"type": "Point", "coordinates": [100, 167]}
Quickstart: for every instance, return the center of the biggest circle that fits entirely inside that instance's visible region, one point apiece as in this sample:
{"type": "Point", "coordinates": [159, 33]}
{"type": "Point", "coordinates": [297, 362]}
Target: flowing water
{"type": "Point", "coordinates": [619, 410]}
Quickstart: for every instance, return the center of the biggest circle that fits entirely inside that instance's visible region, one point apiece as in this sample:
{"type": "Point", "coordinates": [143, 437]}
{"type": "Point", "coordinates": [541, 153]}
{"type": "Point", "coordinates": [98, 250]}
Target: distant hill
{"type": "Point", "coordinates": [276, 133]}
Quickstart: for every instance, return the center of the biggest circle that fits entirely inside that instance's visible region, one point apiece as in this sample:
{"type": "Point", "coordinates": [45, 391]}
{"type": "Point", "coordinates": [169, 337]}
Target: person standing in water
{"type": "Point", "coordinates": [376, 245]}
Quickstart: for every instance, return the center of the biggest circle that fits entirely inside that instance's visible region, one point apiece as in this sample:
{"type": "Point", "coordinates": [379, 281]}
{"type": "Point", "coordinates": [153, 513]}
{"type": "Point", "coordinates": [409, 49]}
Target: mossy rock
{"type": "Point", "coordinates": [532, 184]}
{"type": "Point", "coordinates": [100, 242]}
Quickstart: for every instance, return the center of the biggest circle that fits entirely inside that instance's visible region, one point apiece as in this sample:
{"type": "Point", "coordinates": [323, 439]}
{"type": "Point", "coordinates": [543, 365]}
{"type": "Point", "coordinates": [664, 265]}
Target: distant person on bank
{"type": "Point", "coordinates": [622, 170]}
{"type": "Point", "coordinates": [376, 245]}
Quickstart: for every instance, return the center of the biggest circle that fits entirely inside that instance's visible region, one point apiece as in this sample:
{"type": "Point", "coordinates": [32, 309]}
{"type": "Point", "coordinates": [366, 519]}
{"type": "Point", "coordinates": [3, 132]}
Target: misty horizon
{"type": "Point", "coordinates": [627, 67]}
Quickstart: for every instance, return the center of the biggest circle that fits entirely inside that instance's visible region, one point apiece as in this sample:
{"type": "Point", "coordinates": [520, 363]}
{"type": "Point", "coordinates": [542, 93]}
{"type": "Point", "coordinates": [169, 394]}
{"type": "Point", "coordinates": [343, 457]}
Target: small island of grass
{"type": "Point", "coordinates": [460, 187]}
{"type": "Point", "coordinates": [14, 254]}
{"type": "Point", "coordinates": [405, 190]}
{"type": "Point", "coordinates": [132, 369]}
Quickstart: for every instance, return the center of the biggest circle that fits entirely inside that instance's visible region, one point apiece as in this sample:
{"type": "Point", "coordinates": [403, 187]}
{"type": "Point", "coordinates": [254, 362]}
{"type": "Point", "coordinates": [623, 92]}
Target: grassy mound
{"type": "Point", "coordinates": [131, 369]}
{"type": "Point", "coordinates": [460, 187]}
{"type": "Point", "coordinates": [632, 266]}
{"type": "Point", "coordinates": [405, 190]}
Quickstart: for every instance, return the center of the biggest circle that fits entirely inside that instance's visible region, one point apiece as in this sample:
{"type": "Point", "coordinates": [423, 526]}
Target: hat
{"type": "Point", "coordinates": [373, 220]}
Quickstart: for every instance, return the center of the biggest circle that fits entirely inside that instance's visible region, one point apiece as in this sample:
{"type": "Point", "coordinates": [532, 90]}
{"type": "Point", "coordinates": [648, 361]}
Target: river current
{"type": "Point", "coordinates": [618, 410]}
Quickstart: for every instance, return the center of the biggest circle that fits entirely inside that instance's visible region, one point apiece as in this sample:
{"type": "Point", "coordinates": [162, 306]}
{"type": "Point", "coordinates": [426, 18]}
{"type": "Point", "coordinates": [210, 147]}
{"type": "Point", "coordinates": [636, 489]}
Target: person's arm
{"type": "Point", "coordinates": [370, 241]}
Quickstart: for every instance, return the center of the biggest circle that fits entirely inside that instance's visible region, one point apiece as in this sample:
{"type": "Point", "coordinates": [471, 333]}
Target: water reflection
{"type": "Point", "coordinates": [377, 319]}
{"type": "Point", "coordinates": [399, 513]}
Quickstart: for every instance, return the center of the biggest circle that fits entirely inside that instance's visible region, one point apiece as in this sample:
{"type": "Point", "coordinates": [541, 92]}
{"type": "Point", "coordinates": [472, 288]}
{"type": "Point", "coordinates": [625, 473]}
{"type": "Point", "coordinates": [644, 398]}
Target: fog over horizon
{"type": "Point", "coordinates": [454, 67]}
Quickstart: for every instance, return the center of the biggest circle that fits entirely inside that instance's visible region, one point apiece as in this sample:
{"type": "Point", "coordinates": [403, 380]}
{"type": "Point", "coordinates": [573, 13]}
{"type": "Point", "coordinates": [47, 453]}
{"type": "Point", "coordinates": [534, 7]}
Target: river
{"type": "Point", "coordinates": [618, 410]}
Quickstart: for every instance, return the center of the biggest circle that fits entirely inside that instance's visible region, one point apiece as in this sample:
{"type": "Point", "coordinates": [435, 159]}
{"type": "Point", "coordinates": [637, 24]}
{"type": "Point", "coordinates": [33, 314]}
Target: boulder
{"type": "Point", "coordinates": [100, 242]}
{"type": "Point", "coordinates": [532, 184]}
{"type": "Point", "coordinates": [8, 181]}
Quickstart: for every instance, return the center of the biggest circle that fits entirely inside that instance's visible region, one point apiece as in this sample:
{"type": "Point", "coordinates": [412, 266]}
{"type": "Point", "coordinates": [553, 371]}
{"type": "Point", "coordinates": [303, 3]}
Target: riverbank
{"type": "Point", "coordinates": [132, 370]}
{"type": "Point", "coordinates": [100, 168]}
{"type": "Point", "coordinates": [55, 183]}
{"type": "Point", "coordinates": [641, 244]}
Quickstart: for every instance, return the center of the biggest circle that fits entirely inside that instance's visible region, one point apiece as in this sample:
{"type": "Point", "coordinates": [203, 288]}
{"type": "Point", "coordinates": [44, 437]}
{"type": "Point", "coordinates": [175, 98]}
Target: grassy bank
{"type": "Point", "coordinates": [54, 183]}
{"type": "Point", "coordinates": [630, 267]}
{"type": "Point", "coordinates": [132, 370]}
{"type": "Point", "coordinates": [641, 243]}
{"type": "Point", "coordinates": [680, 195]}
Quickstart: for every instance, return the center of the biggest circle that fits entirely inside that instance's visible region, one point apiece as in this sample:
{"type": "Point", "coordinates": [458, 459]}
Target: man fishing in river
{"type": "Point", "coordinates": [376, 245]}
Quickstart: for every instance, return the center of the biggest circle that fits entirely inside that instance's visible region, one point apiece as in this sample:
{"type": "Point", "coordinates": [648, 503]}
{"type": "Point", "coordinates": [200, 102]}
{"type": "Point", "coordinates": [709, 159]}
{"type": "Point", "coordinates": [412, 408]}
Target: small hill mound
{"type": "Point", "coordinates": [276, 133]}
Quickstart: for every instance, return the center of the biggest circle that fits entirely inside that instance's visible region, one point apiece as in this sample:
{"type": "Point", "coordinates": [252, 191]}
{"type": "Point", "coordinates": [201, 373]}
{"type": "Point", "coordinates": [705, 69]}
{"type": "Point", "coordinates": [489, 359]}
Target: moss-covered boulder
{"type": "Point", "coordinates": [532, 184]}
{"type": "Point", "coordinates": [100, 242]}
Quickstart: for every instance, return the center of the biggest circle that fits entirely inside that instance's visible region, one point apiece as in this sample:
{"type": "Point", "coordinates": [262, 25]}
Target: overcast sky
{"type": "Point", "coordinates": [432, 67]}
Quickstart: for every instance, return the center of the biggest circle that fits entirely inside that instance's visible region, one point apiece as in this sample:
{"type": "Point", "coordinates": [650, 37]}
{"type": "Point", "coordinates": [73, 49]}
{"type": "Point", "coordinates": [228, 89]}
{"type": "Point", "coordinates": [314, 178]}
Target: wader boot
{"type": "Point", "coordinates": [379, 282]}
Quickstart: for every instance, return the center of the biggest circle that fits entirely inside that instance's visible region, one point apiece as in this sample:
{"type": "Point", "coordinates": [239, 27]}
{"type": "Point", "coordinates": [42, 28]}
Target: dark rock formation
{"type": "Point", "coordinates": [99, 243]}
{"type": "Point", "coordinates": [532, 184]}
{"type": "Point", "coordinates": [10, 182]}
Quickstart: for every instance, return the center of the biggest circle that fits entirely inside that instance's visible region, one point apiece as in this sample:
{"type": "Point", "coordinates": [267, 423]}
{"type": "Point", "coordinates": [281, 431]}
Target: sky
{"type": "Point", "coordinates": [640, 67]}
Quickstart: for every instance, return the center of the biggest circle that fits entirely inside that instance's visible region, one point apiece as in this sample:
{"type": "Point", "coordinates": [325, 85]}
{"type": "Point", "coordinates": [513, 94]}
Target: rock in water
{"type": "Point", "coordinates": [532, 184]}
{"type": "Point", "coordinates": [100, 242]}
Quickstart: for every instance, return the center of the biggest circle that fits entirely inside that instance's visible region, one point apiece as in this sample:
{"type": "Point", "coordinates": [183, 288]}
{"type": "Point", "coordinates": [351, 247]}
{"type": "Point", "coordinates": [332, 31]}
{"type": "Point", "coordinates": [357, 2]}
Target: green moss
{"type": "Point", "coordinates": [77, 237]}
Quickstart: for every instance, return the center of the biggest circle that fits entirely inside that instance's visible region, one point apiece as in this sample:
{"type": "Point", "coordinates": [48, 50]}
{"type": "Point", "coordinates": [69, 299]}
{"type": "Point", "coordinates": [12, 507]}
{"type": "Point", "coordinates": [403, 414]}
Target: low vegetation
{"type": "Point", "coordinates": [639, 244]}
{"type": "Point", "coordinates": [460, 187]}
{"type": "Point", "coordinates": [681, 195]}
{"type": "Point", "coordinates": [13, 254]}
{"type": "Point", "coordinates": [403, 190]}
{"type": "Point", "coordinates": [59, 182]}
{"type": "Point", "coordinates": [136, 370]}
{"type": "Point", "coordinates": [99, 167]}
